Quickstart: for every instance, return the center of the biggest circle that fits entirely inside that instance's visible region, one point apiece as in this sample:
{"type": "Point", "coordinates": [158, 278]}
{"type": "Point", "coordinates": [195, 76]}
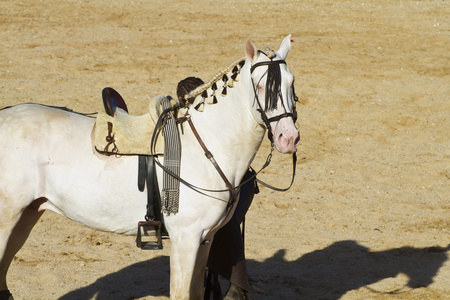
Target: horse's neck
{"type": "Point", "coordinates": [229, 130]}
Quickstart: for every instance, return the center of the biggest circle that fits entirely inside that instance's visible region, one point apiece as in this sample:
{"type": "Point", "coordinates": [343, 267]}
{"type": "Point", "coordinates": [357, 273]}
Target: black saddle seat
{"type": "Point", "coordinates": [112, 100]}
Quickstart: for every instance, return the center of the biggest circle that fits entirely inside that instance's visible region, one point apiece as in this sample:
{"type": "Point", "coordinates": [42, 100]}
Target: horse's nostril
{"type": "Point", "coordinates": [281, 138]}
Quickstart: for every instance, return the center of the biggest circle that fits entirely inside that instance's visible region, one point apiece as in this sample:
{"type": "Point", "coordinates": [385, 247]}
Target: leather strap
{"type": "Point", "coordinates": [147, 177]}
{"type": "Point", "coordinates": [209, 155]}
{"type": "Point", "coordinates": [279, 117]}
{"type": "Point", "coordinates": [294, 164]}
{"type": "Point", "coordinates": [266, 63]}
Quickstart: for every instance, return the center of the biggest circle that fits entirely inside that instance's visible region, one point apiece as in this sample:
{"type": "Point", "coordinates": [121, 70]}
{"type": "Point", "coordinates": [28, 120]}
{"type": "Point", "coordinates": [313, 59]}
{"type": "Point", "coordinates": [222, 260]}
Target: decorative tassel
{"type": "Point", "coordinates": [231, 84]}
{"type": "Point", "coordinates": [210, 98]}
{"type": "Point", "coordinates": [235, 77]}
{"type": "Point", "coordinates": [200, 107]}
{"type": "Point", "coordinates": [224, 79]}
{"type": "Point", "coordinates": [224, 91]}
{"type": "Point", "coordinates": [205, 94]}
{"type": "Point", "coordinates": [191, 100]}
{"type": "Point", "coordinates": [241, 64]}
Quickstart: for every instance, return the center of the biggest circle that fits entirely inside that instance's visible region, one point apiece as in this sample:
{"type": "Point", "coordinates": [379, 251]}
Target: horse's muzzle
{"type": "Point", "coordinates": [285, 136]}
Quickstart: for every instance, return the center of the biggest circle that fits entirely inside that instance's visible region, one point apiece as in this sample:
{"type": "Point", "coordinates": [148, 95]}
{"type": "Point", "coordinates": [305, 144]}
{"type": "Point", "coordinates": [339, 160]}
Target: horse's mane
{"type": "Point", "coordinates": [224, 76]}
{"type": "Point", "coordinates": [207, 91]}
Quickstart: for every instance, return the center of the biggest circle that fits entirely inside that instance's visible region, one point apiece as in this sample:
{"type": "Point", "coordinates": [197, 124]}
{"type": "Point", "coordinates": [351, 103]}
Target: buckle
{"type": "Point", "coordinates": [145, 226]}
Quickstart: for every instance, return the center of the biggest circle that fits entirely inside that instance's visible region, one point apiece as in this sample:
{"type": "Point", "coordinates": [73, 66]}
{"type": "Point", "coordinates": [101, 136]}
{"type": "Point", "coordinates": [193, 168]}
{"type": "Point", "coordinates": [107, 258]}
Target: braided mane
{"type": "Point", "coordinates": [207, 91]}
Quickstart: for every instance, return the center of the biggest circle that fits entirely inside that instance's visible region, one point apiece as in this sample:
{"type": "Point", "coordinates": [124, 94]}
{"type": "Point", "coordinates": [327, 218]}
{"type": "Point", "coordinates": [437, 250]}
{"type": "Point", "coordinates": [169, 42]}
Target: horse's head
{"type": "Point", "coordinates": [274, 101]}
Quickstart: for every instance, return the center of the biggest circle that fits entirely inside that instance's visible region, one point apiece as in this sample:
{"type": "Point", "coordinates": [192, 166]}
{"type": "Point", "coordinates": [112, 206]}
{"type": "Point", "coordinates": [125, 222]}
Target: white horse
{"type": "Point", "coordinates": [48, 163]}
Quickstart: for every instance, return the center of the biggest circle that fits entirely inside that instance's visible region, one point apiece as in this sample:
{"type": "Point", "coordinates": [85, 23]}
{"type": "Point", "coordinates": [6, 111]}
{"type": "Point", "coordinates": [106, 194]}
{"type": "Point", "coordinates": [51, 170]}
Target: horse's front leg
{"type": "Point", "coordinates": [187, 265]}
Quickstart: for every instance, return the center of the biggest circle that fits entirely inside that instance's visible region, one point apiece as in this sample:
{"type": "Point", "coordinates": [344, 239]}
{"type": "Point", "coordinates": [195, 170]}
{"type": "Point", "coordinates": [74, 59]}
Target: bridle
{"type": "Point", "coordinates": [273, 82]}
{"type": "Point", "coordinates": [165, 114]}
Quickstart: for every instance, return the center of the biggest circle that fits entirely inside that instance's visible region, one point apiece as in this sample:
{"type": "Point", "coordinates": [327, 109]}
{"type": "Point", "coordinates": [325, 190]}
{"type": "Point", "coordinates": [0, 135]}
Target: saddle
{"type": "Point", "coordinates": [116, 132]}
{"type": "Point", "coordinates": [119, 133]}
{"type": "Point", "coordinates": [112, 100]}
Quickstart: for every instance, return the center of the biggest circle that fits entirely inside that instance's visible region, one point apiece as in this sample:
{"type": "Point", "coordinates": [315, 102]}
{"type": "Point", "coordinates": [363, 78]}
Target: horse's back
{"type": "Point", "coordinates": [33, 137]}
{"type": "Point", "coordinates": [33, 127]}
{"type": "Point", "coordinates": [31, 122]}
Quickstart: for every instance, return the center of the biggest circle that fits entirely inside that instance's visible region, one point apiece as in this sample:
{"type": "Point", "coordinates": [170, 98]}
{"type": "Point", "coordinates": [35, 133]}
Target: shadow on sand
{"type": "Point", "coordinates": [327, 273]}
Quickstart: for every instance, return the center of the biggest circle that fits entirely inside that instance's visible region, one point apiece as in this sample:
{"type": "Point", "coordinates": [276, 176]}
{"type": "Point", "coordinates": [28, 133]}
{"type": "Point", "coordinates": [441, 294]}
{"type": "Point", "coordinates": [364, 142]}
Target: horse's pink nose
{"type": "Point", "coordinates": [286, 142]}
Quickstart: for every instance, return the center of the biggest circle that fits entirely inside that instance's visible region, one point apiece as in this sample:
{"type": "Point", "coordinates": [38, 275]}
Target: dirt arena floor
{"type": "Point", "coordinates": [368, 216]}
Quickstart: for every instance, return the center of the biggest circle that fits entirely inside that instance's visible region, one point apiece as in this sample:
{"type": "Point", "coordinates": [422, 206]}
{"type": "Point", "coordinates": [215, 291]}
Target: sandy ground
{"type": "Point", "coordinates": [368, 216]}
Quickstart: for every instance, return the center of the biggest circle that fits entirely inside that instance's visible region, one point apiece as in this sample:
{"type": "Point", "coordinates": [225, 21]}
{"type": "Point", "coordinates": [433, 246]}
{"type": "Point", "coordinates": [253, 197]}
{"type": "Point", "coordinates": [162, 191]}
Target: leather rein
{"type": "Point", "coordinates": [209, 155]}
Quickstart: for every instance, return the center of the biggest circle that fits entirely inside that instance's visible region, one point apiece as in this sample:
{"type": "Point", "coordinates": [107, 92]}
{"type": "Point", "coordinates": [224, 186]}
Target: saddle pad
{"type": "Point", "coordinates": [125, 134]}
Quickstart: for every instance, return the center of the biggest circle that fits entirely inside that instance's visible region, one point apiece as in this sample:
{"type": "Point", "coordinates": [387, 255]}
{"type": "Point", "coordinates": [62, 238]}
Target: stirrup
{"type": "Point", "coordinates": [149, 245]}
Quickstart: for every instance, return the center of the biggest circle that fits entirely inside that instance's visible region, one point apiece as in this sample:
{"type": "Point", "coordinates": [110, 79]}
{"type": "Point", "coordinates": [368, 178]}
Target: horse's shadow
{"type": "Point", "coordinates": [331, 272]}
{"type": "Point", "coordinates": [143, 279]}
{"type": "Point", "coordinates": [327, 273]}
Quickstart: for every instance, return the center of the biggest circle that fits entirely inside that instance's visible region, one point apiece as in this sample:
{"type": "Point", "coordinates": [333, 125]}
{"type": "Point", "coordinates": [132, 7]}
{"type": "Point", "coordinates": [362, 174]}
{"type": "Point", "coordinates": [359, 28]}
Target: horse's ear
{"type": "Point", "coordinates": [284, 47]}
{"type": "Point", "coordinates": [250, 50]}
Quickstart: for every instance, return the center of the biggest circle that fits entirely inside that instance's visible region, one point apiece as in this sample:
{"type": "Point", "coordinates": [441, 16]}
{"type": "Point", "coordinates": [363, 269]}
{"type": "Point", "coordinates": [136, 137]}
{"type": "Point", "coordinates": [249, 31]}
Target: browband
{"type": "Point", "coordinates": [265, 63]}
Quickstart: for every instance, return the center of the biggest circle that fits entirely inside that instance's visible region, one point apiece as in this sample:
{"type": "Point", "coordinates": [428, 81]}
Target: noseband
{"type": "Point", "coordinates": [273, 91]}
